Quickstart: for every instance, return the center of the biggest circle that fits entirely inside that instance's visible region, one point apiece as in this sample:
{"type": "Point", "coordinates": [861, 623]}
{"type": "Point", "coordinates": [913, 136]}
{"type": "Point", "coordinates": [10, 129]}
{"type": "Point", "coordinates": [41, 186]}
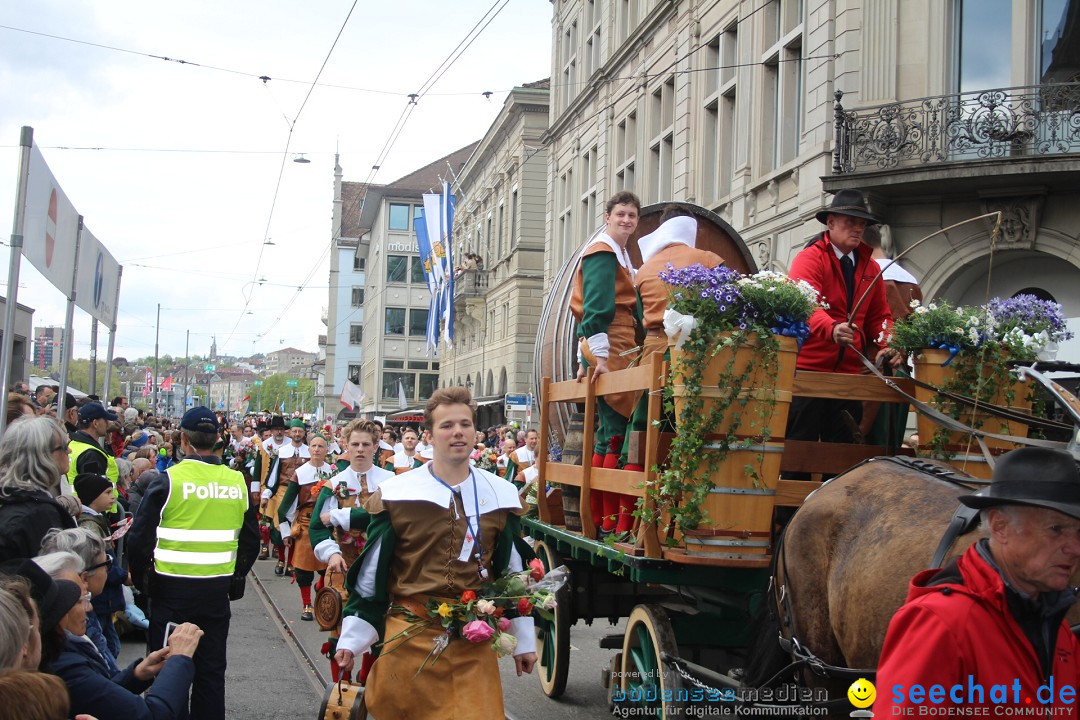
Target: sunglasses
{"type": "Point", "coordinates": [107, 565]}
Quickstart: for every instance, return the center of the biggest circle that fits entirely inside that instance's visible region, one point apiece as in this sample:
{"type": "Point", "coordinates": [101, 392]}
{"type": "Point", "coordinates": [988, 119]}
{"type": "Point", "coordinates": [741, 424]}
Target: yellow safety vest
{"type": "Point", "coordinates": [200, 523]}
{"type": "Point", "coordinates": [76, 448]}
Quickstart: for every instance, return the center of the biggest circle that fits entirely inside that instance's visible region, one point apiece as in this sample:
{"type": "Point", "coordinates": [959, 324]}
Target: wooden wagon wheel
{"type": "Point", "coordinates": [645, 681]}
{"type": "Point", "coordinates": [553, 636]}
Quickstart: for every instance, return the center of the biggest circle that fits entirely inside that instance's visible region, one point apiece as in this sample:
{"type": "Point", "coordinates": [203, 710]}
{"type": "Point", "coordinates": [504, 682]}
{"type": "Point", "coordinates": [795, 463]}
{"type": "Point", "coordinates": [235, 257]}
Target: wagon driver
{"type": "Point", "coordinates": [841, 267]}
{"type": "Point", "coordinates": [996, 615]}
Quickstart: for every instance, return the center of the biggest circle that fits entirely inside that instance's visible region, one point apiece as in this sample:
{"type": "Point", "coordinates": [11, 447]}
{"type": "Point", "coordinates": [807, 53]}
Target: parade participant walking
{"type": "Point", "coordinates": [435, 532]}
{"type": "Point", "coordinates": [605, 305]}
{"type": "Point", "coordinates": [386, 445]}
{"type": "Point", "coordinates": [192, 543]}
{"type": "Point", "coordinates": [340, 520]}
{"type": "Point", "coordinates": [407, 458]}
{"type": "Point", "coordinates": [87, 455]}
{"type": "Point", "coordinates": [840, 267]}
{"type": "Point", "coordinates": [290, 456]}
{"type": "Point", "coordinates": [263, 462]}
{"type": "Point", "coordinates": [521, 468]}
{"type": "Point", "coordinates": [996, 615]}
{"type": "Point", "coordinates": [508, 445]}
{"type": "Point", "coordinates": [294, 518]}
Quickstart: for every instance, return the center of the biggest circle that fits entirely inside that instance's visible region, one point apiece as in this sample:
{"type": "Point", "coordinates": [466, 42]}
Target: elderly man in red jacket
{"type": "Point", "coordinates": [989, 628]}
{"type": "Point", "coordinates": [842, 268]}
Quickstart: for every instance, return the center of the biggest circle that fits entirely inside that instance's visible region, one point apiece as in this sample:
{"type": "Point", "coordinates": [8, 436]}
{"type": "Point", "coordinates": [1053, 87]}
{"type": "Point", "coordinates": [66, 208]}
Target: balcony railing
{"type": "Point", "coordinates": [1029, 121]}
{"type": "Point", "coordinates": [470, 283]}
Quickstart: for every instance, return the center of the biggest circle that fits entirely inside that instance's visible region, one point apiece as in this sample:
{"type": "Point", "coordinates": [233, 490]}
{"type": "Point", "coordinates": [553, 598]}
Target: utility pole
{"type": "Point", "coordinates": [157, 336]}
{"type": "Point", "coordinates": [187, 368]}
{"type": "Point", "coordinates": [93, 362]}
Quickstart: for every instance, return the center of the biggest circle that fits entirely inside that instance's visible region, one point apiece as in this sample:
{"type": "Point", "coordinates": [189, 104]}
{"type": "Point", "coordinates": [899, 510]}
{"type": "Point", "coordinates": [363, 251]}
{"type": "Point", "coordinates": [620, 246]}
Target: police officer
{"type": "Point", "coordinates": [84, 446]}
{"type": "Point", "coordinates": [193, 541]}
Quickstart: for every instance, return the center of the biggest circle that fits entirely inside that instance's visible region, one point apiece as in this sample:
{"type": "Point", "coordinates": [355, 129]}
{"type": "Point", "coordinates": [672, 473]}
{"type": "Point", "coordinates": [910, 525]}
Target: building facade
{"type": "Point", "coordinates": [21, 361]}
{"type": "Point", "coordinates": [500, 217]}
{"type": "Point", "coordinates": [48, 346]}
{"type": "Point", "coordinates": [396, 370]}
{"type": "Point", "coordinates": [733, 106]}
{"type": "Point", "coordinates": [290, 361]}
{"type": "Point", "coordinates": [345, 311]}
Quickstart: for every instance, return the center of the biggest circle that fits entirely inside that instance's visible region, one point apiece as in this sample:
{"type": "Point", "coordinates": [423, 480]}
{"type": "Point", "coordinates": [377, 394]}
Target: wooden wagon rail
{"type": "Point", "coordinates": [799, 456]}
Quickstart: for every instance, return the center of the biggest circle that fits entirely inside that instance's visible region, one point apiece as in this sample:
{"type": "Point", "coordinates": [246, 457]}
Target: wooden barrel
{"type": "Point", "coordinates": [739, 507]}
{"type": "Point", "coordinates": [963, 450]}
{"type": "Point", "coordinates": [572, 455]}
{"type": "Point", "coordinates": [344, 701]}
{"type": "Point", "coordinates": [555, 355]}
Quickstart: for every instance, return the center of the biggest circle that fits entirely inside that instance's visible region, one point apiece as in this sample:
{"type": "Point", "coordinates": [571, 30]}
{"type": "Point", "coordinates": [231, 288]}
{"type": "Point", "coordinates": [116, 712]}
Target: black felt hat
{"type": "Point", "coordinates": [847, 202]}
{"type": "Point", "coordinates": [1038, 477]}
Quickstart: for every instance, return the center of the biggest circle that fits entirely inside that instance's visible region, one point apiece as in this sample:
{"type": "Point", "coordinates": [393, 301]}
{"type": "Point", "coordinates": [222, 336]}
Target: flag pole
{"type": "Point", "coordinates": [7, 346]}
{"type": "Point", "coordinates": [93, 356]}
{"type": "Point", "coordinates": [112, 333]}
{"type": "Point", "coordinates": [69, 326]}
{"type": "Point", "coordinates": [157, 337]}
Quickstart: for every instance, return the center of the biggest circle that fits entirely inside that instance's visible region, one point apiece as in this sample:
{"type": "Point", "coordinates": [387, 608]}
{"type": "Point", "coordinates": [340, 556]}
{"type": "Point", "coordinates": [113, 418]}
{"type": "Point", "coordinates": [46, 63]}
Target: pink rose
{"type": "Point", "coordinates": [537, 568]}
{"type": "Point", "coordinates": [504, 624]}
{"type": "Point", "coordinates": [477, 631]}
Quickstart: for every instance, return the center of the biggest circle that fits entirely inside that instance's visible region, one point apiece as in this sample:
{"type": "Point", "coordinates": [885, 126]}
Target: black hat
{"type": "Point", "coordinates": [89, 485]}
{"type": "Point", "coordinates": [94, 411]}
{"type": "Point", "coordinates": [53, 598]}
{"type": "Point", "coordinates": [277, 423]}
{"type": "Point", "coordinates": [847, 202]}
{"type": "Point", "coordinates": [199, 419]}
{"type": "Point", "coordinates": [1038, 477]}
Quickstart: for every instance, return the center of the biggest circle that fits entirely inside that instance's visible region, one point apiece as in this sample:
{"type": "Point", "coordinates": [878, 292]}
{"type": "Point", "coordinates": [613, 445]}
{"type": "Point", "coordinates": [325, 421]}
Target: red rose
{"type": "Point", "coordinates": [524, 607]}
{"type": "Point", "coordinates": [468, 596]}
{"type": "Point", "coordinates": [537, 569]}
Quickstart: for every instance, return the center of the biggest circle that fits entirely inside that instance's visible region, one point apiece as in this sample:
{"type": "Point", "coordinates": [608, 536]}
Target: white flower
{"type": "Point", "coordinates": [932, 306]}
{"type": "Point", "coordinates": [504, 644]}
{"type": "Point", "coordinates": [915, 303]}
{"type": "Point", "coordinates": [920, 310]}
{"type": "Point", "coordinates": [547, 602]}
{"type": "Point", "coordinates": [485, 607]}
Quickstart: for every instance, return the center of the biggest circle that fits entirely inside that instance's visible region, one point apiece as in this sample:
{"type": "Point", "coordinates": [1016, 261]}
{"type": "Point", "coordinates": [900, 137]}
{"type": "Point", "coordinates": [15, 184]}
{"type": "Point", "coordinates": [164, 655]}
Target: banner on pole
{"type": "Point", "coordinates": [51, 225]}
{"type": "Point", "coordinates": [98, 281]}
{"type": "Point", "coordinates": [148, 388]}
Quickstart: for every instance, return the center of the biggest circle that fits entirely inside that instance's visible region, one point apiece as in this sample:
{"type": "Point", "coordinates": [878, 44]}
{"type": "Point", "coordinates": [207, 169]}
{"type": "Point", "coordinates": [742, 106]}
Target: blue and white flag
{"type": "Point", "coordinates": [423, 243]}
{"type": "Point", "coordinates": [282, 407]}
{"type": "Point", "coordinates": [447, 202]}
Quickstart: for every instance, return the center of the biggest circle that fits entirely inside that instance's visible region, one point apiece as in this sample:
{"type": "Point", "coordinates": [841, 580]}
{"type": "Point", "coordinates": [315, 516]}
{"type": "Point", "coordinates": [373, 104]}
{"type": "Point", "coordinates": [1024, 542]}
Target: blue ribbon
{"type": "Point", "coordinates": [792, 328]}
{"type": "Point", "coordinates": [953, 349]}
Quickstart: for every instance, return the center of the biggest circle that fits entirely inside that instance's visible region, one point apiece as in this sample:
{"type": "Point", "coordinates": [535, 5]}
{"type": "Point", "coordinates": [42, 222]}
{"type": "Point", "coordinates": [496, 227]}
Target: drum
{"type": "Point", "coordinates": [330, 600]}
{"type": "Point", "coordinates": [343, 701]}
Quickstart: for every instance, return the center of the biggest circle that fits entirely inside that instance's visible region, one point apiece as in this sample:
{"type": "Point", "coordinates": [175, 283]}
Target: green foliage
{"type": "Point", "coordinates": [79, 377]}
{"type": "Point", "coordinates": [274, 390]}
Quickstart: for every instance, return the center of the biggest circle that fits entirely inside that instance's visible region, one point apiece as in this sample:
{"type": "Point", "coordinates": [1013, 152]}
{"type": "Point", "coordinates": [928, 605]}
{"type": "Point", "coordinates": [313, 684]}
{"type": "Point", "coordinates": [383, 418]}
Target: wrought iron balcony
{"type": "Point", "coordinates": [1005, 123]}
{"type": "Point", "coordinates": [471, 284]}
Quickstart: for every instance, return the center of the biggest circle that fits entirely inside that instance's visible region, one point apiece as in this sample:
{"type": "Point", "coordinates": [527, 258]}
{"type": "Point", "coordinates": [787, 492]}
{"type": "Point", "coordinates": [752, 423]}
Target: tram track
{"type": "Point", "coordinates": [315, 677]}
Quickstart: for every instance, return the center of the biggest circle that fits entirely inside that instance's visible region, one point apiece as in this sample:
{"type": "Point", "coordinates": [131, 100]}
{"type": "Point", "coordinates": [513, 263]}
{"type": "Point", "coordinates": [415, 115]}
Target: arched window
{"type": "Point", "coordinates": [490, 384]}
{"type": "Point", "coordinates": [502, 382]}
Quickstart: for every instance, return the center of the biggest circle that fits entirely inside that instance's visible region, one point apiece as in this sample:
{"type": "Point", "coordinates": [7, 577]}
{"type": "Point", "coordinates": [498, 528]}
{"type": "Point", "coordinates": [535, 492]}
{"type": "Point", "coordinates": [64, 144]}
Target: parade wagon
{"type": "Point", "coordinates": [732, 612]}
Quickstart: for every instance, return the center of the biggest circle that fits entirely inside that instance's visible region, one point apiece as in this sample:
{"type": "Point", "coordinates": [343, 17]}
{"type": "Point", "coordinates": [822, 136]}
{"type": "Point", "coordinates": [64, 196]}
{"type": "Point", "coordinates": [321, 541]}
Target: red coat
{"type": "Point", "coordinates": [945, 633]}
{"type": "Point", "coordinates": [818, 265]}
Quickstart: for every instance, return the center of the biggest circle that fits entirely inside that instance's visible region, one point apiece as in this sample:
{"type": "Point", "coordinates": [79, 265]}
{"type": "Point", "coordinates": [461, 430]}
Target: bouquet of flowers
{"type": "Point", "coordinates": [1028, 327]}
{"type": "Point", "coordinates": [484, 617]}
{"type": "Point", "coordinates": [938, 326]}
{"type": "Point", "coordinates": [723, 299]}
{"type": "Point", "coordinates": [488, 460]}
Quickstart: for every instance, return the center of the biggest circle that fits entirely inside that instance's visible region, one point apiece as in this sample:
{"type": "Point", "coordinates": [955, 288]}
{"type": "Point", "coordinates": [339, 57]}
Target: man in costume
{"type": "Point", "coordinates": [407, 458]}
{"type": "Point", "coordinates": [673, 243]}
{"type": "Point", "coordinates": [386, 449]}
{"type": "Point", "coordinates": [989, 628]}
{"type": "Point", "coordinates": [283, 472]}
{"type": "Point", "coordinates": [339, 522]}
{"type": "Point", "coordinates": [294, 518]}
{"type": "Point", "coordinates": [520, 470]}
{"type": "Point", "coordinates": [435, 532]}
{"type": "Point", "coordinates": [194, 539]}
{"type": "Point", "coordinates": [605, 305]}
{"type": "Point", "coordinates": [839, 265]}
{"type": "Point", "coordinates": [273, 438]}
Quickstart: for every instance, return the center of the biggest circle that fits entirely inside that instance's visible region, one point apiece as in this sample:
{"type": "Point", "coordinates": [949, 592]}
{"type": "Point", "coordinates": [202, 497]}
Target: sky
{"type": "Point", "coordinates": [181, 179]}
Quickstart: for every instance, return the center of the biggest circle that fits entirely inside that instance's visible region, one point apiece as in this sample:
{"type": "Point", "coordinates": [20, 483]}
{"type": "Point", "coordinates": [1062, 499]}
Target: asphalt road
{"type": "Point", "coordinates": [269, 676]}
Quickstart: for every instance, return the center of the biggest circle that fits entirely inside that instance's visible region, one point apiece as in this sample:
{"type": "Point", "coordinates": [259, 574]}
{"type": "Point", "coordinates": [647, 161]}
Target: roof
{"type": "Point", "coordinates": [544, 84]}
{"type": "Point", "coordinates": [351, 195]}
{"type": "Point", "coordinates": [292, 350]}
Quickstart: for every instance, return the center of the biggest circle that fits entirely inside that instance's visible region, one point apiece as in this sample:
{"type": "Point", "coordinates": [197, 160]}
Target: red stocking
{"type": "Point", "coordinates": [279, 552]}
{"type": "Point", "coordinates": [596, 498]}
{"type": "Point", "coordinates": [305, 595]}
{"type": "Point", "coordinates": [264, 534]}
{"type": "Point", "coordinates": [626, 513]}
{"type": "Point", "coordinates": [365, 667]}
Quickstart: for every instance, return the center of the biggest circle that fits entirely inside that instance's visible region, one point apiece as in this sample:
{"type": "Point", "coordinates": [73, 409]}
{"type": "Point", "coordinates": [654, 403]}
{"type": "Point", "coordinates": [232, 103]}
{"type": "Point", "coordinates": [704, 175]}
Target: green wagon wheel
{"type": "Point", "coordinates": [645, 681]}
{"type": "Point", "coordinates": [553, 636]}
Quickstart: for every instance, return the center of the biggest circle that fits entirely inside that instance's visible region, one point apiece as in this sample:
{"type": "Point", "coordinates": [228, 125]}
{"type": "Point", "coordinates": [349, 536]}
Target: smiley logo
{"type": "Point", "coordinates": [862, 693]}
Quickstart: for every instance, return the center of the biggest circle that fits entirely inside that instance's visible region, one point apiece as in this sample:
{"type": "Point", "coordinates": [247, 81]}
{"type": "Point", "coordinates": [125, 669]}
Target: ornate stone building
{"type": "Point", "coordinates": [500, 217]}
{"type": "Point", "coordinates": [947, 111]}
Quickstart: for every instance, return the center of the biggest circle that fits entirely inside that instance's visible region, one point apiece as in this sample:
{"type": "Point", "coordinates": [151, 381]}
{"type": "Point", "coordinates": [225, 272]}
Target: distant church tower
{"type": "Point", "coordinates": [213, 350]}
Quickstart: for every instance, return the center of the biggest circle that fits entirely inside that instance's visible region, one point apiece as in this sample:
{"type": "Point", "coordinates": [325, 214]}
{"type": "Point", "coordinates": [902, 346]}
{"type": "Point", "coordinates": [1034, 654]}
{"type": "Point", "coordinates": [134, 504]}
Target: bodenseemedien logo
{"type": "Point", "coordinates": [862, 695]}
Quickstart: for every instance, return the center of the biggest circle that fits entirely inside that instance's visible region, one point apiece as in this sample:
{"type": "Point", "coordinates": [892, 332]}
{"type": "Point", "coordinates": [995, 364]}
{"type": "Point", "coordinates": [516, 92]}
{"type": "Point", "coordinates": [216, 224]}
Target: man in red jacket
{"type": "Point", "coordinates": [839, 265]}
{"type": "Point", "coordinates": [989, 628]}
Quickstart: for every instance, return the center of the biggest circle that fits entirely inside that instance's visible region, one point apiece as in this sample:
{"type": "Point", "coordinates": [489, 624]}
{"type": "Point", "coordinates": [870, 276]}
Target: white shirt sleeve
{"type": "Point", "coordinates": [523, 629]}
{"type": "Point", "coordinates": [326, 549]}
{"type": "Point", "coordinates": [357, 634]}
{"type": "Point", "coordinates": [599, 345]}
{"type": "Point", "coordinates": [342, 518]}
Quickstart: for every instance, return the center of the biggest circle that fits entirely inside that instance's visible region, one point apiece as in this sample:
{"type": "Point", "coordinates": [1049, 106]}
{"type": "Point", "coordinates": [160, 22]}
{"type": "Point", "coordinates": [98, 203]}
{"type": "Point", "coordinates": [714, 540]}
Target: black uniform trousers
{"type": "Point", "coordinates": [205, 603]}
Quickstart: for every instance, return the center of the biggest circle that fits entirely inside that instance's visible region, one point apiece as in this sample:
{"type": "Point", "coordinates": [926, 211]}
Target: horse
{"type": "Point", "coordinates": [845, 562]}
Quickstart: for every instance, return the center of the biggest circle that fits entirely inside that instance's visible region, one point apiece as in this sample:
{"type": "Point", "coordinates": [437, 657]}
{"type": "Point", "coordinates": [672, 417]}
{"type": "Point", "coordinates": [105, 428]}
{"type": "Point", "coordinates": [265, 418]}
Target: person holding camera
{"type": "Point", "coordinates": [194, 539]}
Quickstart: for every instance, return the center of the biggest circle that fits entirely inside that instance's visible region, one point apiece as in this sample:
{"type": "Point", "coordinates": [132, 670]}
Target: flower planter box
{"type": "Point", "coordinates": [964, 448]}
{"type": "Point", "coordinates": [739, 507]}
